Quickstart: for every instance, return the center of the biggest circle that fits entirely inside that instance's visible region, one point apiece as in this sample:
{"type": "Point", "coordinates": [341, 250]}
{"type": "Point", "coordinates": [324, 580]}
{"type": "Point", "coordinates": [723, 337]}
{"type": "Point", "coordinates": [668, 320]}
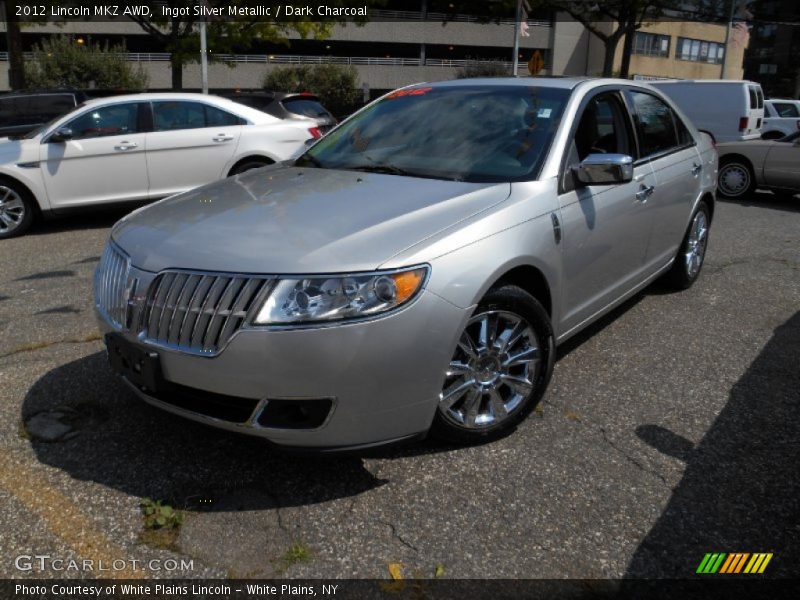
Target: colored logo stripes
{"type": "Point", "coordinates": [735, 562]}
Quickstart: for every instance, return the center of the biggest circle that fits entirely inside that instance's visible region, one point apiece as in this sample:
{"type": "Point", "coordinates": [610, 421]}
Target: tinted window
{"type": "Point", "coordinates": [464, 132]}
{"type": "Point", "coordinates": [170, 116]}
{"type": "Point", "coordinates": [308, 107]}
{"type": "Point", "coordinates": [216, 117]}
{"type": "Point", "coordinates": [116, 119]}
{"type": "Point", "coordinates": [654, 123]}
{"type": "Point", "coordinates": [30, 110]}
{"type": "Point", "coordinates": [784, 109]}
{"type": "Point", "coordinates": [751, 91]}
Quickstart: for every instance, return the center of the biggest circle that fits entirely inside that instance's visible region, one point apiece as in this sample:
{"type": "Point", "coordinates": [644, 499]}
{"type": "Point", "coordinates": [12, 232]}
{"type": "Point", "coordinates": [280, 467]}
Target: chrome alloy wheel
{"type": "Point", "coordinates": [12, 210]}
{"type": "Point", "coordinates": [695, 249]}
{"type": "Point", "coordinates": [734, 179]}
{"type": "Point", "coordinates": [492, 371]}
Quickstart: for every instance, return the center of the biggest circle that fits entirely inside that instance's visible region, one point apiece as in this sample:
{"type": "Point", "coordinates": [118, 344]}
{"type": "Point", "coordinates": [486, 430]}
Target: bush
{"type": "Point", "coordinates": [60, 62]}
{"type": "Point", "coordinates": [336, 85]}
{"type": "Point", "coordinates": [483, 69]}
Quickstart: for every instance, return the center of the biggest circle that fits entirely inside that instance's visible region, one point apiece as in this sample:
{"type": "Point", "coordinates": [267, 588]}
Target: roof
{"type": "Point", "coordinates": [566, 83]}
{"type": "Point", "coordinates": [155, 96]}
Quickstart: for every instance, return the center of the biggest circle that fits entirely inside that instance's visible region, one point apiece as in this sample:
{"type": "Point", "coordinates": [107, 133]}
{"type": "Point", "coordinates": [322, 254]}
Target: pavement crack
{"type": "Point", "coordinates": [42, 345]}
{"type": "Point", "coordinates": [399, 537]}
{"type": "Point", "coordinates": [632, 460]}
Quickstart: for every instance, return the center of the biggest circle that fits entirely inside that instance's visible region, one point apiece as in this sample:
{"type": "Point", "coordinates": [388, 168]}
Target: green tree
{"type": "Point", "coordinates": [336, 85]}
{"type": "Point", "coordinates": [60, 62]}
{"type": "Point", "coordinates": [179, 35]}
{"type": "Point", "coordinates": [625, 18]}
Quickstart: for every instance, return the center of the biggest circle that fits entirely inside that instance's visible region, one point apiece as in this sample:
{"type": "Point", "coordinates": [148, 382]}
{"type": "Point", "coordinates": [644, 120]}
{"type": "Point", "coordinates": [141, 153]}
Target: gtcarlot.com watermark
{"type": "Point", "coordinates": [46, 562]}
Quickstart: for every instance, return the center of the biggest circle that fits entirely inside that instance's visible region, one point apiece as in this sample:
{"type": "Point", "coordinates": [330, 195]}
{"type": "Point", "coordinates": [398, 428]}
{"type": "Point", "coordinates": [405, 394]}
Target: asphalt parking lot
{"type": "Point", "coordinates": [671, 429]}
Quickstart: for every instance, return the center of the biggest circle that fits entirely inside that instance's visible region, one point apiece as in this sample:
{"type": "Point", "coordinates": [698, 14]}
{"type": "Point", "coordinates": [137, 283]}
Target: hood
{"type": "Point", "coordinates": [285, 220]}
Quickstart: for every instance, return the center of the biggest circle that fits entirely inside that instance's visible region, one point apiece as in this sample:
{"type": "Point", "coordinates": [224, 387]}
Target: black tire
{"type": "Point", "coordinates": [682, 276]}
{"type": "Point", "coordinates": [17, 209]}
{"type": "Point", "coordinates": [735, 178]}
{"type": "Point", "coordinates": [249, 164]}
{"type": "Point", "coordinates": [506, 302]}
{"type": "Point", "coordinates": [772, 135]}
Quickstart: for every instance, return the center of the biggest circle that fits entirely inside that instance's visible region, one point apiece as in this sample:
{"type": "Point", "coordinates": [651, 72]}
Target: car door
{"type": "Point", "coordinates": [782, 164]}
{"type": "Point", "coordinates": [103, 161]}
{"type": "Point", "coordinates": [677, 166]}
{"type": "Point", "coordinates": [190, 145]}
{"type": "Point", "coordinates": [605, 227]}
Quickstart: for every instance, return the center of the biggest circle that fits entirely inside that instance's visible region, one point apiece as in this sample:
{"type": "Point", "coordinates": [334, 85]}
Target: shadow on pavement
{"type": "Point", "coordinates": [740, 491]}
{"type": "Point", "coordinates": [764, 199]}
{"type": "Point", "coordinates": [125, 444]}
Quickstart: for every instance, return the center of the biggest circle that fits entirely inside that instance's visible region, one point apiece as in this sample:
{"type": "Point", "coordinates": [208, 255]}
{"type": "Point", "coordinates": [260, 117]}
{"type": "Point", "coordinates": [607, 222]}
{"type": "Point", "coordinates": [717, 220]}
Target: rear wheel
{"type": "Point", "coordinates": [499, 370]}
{"type": "Point", "coordinates": [735, 178]}
{"type": "Point", "coordinates": [249, 164]}
{"type": "Point", "coordinates": [16, 209]}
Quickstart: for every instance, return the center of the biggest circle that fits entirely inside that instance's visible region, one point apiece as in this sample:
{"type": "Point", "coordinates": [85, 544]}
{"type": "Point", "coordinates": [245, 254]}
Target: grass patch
{"type": "Point", "coordinates": [297, 553]}
{"type": "Point", "coordinates": [162, 524]}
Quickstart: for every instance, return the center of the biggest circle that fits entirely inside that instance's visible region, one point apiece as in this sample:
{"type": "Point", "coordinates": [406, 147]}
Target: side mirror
{"type": "Point", "coordinates": [604, 169]}
{"type": "Point", "coordinates": [62, 134]}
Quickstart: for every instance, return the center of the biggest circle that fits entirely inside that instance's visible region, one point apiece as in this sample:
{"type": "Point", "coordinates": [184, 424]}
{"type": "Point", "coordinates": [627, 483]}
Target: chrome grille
{"type": "Point", "coordinates": [199, 312]}
{"type": "Point", "coordinates": [111, 285]}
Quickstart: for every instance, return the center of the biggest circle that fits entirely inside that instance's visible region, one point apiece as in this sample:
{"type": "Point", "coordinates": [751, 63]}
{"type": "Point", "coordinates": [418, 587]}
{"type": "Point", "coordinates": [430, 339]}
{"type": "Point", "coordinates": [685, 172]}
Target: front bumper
{"type": "Point", "coordinates": [383, 375]}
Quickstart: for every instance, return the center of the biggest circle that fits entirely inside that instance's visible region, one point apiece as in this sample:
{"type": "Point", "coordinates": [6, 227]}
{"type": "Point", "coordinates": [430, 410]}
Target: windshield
{"type": "Point", "coordinates": [466, 133]}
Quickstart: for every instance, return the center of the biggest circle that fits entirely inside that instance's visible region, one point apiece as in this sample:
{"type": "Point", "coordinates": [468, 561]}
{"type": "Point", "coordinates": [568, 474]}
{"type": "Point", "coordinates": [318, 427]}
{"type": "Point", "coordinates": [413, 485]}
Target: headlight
{"type": "Point", "coordinates": [314, 299]}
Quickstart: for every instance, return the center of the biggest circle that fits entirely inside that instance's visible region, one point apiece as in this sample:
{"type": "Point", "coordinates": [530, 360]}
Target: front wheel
{"type": "Point", "coordinates": [16, 210]}
{"type": "Point", "coordinates": [499, 370]}
{"type": "Point", "coordinates": [691, 255]}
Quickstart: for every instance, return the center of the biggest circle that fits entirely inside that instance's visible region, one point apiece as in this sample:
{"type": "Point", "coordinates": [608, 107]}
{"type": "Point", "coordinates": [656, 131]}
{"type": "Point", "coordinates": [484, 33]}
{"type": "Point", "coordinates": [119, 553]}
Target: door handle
{"type": "Point", "coordinates": [645, 192]}
{"type": "Point", "coordinates": [125, 146]}
{"type": "Point", "coordinates": [696, 169]}
{"type": "Point", "coordinates": [221, 137]}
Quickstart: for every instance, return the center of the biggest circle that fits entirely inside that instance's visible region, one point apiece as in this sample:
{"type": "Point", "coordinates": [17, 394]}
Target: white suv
{"type": "Point", "coordinates": [136, 148]}
{"type": "Point", "coordinates": [781, 118]}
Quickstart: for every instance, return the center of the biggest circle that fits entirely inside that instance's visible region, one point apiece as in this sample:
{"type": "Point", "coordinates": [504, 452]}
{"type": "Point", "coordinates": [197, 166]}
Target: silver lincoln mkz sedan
{"type": "Point", "coordinates": [414, 270]}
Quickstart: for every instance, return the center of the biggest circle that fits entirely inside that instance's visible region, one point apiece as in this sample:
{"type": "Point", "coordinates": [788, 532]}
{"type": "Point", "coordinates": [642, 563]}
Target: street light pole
{"type": "Point", "coordinates": [203, 56]}
{"type": "Point", "coordinates": [516, 37]}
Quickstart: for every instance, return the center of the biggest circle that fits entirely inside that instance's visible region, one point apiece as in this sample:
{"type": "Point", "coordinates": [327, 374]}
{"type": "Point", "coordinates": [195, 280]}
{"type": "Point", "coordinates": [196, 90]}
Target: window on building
{"type": "Point", "coordinates": [700, 51]}
{"type": "Point", "coordinates": [651, 44]}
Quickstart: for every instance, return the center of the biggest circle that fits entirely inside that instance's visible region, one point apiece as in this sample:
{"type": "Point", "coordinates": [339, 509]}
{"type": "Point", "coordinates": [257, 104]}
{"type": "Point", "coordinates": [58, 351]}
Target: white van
{"type": "Point", "coordinates": [731, 110]}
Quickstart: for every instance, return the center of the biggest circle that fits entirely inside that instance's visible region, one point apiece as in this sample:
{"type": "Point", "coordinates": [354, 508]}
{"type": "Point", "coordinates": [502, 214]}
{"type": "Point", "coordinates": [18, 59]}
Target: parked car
{"type": "Point", "coordinates": [781, 118]}
{"type": "Point", "coordinates": [766, 164]}
{"type": "Point", "coordinates": [396, 280]}
{"type": "Point", "coordinates": [22, 112]}
{"type": "Point", "coordinates": [136, 148]}
{"type": "Point", "coordinates": [302, 105]}
{"type": "Point", "coordinates": [728, 109]}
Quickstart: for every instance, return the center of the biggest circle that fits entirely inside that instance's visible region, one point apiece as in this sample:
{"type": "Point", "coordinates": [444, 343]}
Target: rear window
{"type": "Point", "coordinates": [751, 91]}
{"type": "Point", "coordinates": [786, 109]}
{"type": "Point", "coordinates": [307, 107]}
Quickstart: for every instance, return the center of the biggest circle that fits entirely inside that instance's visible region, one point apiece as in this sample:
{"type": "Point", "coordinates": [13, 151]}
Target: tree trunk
{"type": "Point", "coordinates": [630, 35]}
{"type": "Point", "coordinates": [608, 60]}
{"type": "Point", "coordinates": [176, 63]}
{"type": "Point", "coordinates": [16, 61]}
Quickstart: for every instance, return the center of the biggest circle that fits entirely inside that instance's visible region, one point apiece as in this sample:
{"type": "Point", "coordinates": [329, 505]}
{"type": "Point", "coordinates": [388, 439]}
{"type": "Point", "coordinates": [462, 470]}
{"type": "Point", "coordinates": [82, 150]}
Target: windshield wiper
{"type": "Point", "coordinates": [383, 168]}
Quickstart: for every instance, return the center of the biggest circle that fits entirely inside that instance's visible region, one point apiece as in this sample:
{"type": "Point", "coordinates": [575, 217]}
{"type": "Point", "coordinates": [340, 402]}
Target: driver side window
{"type": "Point", "coordinates": [603, 128]}
{"type": "Point", "coordinates": [117, 119]}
